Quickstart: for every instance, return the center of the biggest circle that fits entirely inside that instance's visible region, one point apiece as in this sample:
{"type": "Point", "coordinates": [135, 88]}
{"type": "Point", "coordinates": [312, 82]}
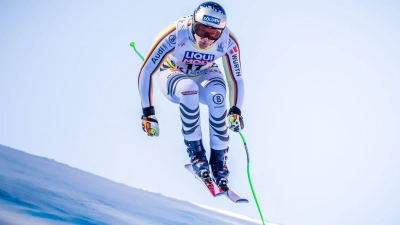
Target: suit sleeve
{"type": "Point", "coordinates": [163, 44]}
{"type": "Point", "coordinates": [233, 72]}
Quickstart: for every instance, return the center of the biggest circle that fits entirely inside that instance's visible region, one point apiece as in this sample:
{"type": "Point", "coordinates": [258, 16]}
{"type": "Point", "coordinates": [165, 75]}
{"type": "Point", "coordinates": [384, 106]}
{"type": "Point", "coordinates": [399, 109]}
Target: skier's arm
{"type": "Point", "coordinates": [233, 73]}
{"type": "Point", "coordinates": [161, 47]}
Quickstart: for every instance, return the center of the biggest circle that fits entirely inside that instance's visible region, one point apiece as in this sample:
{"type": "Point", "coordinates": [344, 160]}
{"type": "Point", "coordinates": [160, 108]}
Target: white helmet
{"type": "Point", "coordinates": [210, 14]}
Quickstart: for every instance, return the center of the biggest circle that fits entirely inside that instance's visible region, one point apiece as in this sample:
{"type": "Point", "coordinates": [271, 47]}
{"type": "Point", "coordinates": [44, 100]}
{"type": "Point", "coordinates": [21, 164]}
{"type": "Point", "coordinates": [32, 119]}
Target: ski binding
{"type": "Point", "coordinates": [214, 189]}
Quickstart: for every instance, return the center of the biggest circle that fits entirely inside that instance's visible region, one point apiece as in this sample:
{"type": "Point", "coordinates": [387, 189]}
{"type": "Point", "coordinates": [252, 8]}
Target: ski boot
{"type": "Point", "coordinates": [219, 169]}
{"type": "Point", "coordinates": [198, 159]}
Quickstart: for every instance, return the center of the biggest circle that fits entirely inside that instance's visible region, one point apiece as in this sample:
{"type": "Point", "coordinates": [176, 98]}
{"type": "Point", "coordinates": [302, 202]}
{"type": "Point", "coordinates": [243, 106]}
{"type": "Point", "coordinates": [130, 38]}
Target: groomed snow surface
{"type": "Point", "coordinates": [37, 190]}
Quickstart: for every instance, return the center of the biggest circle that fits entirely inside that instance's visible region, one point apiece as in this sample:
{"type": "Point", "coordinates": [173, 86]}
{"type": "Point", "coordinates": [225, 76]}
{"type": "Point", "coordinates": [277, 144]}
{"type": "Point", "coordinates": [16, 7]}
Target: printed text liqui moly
{"type": "Point", "coordinates": [197, 58]}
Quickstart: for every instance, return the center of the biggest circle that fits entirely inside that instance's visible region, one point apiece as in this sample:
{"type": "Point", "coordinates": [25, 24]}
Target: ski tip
{"type": "Point", "coordinates": [234, 197]}
{"type": "Point", "coordinates": [189, 167]}
{"type": "Point", "coordinates": [242, 200]}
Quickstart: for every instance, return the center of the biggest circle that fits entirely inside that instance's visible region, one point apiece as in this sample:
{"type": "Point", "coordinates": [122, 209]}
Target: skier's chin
{"type": "Point", "coordinates": [203, 45]}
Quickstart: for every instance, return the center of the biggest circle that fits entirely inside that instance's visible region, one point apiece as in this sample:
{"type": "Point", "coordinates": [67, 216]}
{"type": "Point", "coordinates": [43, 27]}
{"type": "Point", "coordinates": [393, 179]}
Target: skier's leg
{"type": "Point", "coordinates": [180, 89]}
{"type": "Point", "coordinates": [219, 168]}
{"type": "Point", "coordinates": [212, 89]}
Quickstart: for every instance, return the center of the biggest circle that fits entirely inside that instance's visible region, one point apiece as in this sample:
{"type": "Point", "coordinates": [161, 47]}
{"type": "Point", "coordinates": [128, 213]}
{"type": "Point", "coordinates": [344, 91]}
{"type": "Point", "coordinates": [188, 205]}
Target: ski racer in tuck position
{"type": "Point", "coordinates": [183, 57]}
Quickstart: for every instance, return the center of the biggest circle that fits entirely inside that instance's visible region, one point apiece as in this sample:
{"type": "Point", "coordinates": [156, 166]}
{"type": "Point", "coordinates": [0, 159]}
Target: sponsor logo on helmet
{"type": "Point", "coordinates": [197, 58]}
{"type": "Point", "coordinates": [211, 19]}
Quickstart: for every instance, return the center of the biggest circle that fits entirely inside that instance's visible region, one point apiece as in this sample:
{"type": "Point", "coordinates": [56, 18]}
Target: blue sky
{"type": "Point", "coordinates": [321, 106]}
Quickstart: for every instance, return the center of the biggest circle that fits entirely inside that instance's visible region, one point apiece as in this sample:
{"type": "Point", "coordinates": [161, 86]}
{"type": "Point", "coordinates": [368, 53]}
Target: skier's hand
{"type": "Point", "coordinates": [235, 120]}
{"type": "Point", "coordinates": [150, 122]}
{"type": "Point", "coordinates": [150, 125]}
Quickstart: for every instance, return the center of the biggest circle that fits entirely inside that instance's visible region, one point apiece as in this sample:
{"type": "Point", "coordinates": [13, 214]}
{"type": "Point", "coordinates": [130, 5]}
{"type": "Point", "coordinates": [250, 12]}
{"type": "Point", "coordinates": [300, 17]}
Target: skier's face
{"type": "Point", "coordinates": [203, 42]}
{"type": "Point", "coordinates": [205, 35]}
{"type": "Point", "coordinates": [205, 31]}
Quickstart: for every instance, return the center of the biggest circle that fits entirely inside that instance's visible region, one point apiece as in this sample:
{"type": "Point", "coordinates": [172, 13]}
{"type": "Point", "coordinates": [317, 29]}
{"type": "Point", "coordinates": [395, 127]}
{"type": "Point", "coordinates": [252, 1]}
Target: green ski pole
{"type": "Point", "coordinates": [248, 175]}
{"type": "Point", "coordinates": [132, 44]}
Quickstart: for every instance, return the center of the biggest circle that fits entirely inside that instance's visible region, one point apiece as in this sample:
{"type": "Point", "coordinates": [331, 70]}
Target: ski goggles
{"type": "Point", "coordinates": [204, 31]}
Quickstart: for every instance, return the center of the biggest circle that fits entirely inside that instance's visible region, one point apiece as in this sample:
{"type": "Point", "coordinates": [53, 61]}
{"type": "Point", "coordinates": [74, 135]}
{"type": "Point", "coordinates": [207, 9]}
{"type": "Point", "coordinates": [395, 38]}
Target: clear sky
{"type": "Point", "coordinates": [321, 109]}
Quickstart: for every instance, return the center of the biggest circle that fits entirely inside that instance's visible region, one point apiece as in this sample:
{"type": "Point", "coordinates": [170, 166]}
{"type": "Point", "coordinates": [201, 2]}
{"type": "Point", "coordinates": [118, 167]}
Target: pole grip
{"type": "Point", "coordinates": [132, 44]}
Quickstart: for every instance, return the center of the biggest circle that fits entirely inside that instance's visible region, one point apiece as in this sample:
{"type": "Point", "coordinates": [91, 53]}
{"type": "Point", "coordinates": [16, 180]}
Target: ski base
{"type": "Point", "coordinates": [215, 190]}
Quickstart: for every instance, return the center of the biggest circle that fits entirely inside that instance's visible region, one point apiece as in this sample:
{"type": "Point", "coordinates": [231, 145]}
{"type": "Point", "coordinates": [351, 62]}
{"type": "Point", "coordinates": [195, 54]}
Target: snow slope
{"type": "Point", "coordinates": [37, 190]}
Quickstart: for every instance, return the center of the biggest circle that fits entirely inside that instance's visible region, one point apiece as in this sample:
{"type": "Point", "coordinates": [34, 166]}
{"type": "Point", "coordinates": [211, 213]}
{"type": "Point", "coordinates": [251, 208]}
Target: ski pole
{"type": "Point", "coordinates": [132, 44]}
{"type": "Point", "coordinates": [248, 175]}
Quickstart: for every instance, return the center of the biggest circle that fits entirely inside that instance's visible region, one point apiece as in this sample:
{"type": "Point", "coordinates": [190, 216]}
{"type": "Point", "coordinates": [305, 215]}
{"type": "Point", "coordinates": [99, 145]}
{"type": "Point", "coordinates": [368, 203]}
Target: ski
{"type": "Point", "coordinates": [209, 184]}
{"type": "Point", "coordinates": [215, 190]}
{"type": "Point", "coordinates": [234, 197]}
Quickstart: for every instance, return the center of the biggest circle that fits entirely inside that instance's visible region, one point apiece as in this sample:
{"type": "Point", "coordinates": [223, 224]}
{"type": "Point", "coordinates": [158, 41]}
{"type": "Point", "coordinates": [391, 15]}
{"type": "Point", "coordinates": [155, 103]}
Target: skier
{"type": "Point", "coordinates": [183, 57]}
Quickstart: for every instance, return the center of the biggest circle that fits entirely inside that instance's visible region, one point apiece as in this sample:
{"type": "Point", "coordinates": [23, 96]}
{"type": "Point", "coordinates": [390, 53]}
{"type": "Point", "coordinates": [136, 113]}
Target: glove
{"type": "Point", "coordinates": [235, 120]}
{"type": "Point", "coordinates": [150, 122]}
